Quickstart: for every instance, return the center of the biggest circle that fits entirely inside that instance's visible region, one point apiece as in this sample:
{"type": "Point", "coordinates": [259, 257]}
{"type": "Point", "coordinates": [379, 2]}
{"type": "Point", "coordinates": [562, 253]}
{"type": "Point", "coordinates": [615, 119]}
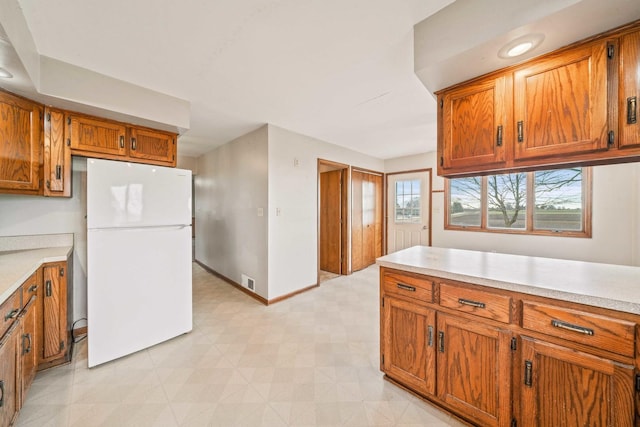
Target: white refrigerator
{"type": "Point", "coordinates": [138, 257]}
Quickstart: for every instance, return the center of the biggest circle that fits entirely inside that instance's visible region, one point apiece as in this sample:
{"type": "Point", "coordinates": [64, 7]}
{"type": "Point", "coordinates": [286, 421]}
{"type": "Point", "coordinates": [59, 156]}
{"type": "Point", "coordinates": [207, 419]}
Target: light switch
{"type": "Point", "coordinates": [260, 212]}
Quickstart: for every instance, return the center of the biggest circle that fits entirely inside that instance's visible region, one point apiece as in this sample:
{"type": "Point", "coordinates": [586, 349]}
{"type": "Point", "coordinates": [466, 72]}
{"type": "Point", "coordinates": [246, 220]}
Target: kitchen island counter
{"type": "Point", "coordinates": [614, 287]}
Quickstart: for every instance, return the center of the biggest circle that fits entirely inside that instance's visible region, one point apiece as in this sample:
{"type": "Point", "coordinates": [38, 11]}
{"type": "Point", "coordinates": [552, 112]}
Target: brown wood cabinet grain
{"type": "Point", "coordinates": [560, 104]}
{"type": "Point", "coordinates": [366, 219]}
{"type": "Point", "coordinates": [54, 342]}
{"type": "Point", "coordinates": [152, 145]}
{"type": "Point", "coordinates": [20, 144]}
{"type": "Point", "coordinates": [93, 135]}
{"type": "Point", "coordinates": [629, 91]}
{"type": "Point", "coordinates": [8, 375]}
{"type": "Point", "coordinates": [562, 387]}
{"type": "Point", "coordinates": [475, 123]}
{"type": "Point", "coordinates": [408, 344]}
{"type": "Point", "coordinates": [474, 369]}
{"type": "Point", "coordinates": [576, 106]}
{"type": "Point", "coordinates": [522, 359]}
{"type": "Point", "coordinates": [57, 155]}
{"type": "Point", "coordinates": [27, 348]}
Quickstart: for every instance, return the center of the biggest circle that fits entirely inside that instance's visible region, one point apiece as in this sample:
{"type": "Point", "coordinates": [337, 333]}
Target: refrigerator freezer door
{"type": "Point", "coordinates": [121, 194]}
{"type": "Point", "coordinates": [138, 289]}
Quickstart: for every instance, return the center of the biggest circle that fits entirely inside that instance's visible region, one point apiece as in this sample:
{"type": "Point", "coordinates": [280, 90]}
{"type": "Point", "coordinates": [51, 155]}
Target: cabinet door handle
{"type": "Point", "coordinates": [121, 141]}
{"type": "Point", "coordinates": [441, 341]}
{"type": "Point", "coordinates": [430, 336]}
{"type": "Point", "coordinates": [33, 288]}
{"type": "Point", "coordinates": [570, 327]}
{"type": "Point", "coordinates": [528, 373]}
{"type": "Point", "coordinates": [2, 391]}
{"type": "Point", "coordinates": [499, 136]}
{"type": "Point", "coordinates": [28, 348]}
{"type": "Point", "coordinates": [406, 287]}
{"type": "Point", "coordinates": [47, 288]}
{"type": "Point", "coordinates": [58, 172]}
{"type": "Point", "coordinates": [12, 314]}
{"type": "Point", "coordinates": [471, 303]}
{"type": "Point", "coordinates": [520, 131]}
{"type": "Point", "coordinates": [133, 144]}
{"type": "Point", "coordinates": [632, 106]}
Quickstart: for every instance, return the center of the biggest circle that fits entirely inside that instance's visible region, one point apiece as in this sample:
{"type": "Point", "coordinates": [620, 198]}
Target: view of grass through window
{"type": "Point", "coordinates": [551, 201]}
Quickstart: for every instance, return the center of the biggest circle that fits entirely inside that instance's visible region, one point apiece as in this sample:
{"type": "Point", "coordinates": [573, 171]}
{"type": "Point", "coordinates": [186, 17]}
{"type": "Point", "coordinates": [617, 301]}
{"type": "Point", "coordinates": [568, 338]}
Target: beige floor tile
{"type": "Point", "coordinates": [312, 360]}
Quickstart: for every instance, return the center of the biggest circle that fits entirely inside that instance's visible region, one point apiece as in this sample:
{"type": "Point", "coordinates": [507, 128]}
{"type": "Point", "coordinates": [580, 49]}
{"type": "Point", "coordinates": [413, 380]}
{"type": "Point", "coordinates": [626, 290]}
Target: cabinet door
{"type": "Point", "coordinates": [629, 90]}
{"type": "Point", "coordinates": [57, 156]}
{"type": "Point", "coordinates": [474, 369]}
{"type": "Point", "coordinates": [475, 120]}
{"type": "Point", "coordinates": [20, 155]}
{"type": "Point", "coordinates": [27, 348]}
{"type": "Point", "coordinates": [560, 105]}
{"type": "Point", "coordinates": [407, 344]}
{"type": "Point", "coordinates": [54, 339]}
{"type": "Point", "coordinates": [8, 376]}
{"type": "Point", "coordinates": [562, 387]}
{"type": "Point", "coordinates": [147, 144]}
{"type": "Point", "coordinates": [88, 135]}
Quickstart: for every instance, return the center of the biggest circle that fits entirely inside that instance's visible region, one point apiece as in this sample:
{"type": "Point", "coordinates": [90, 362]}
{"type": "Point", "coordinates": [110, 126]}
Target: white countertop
{"type": "Point", "coordinates": [615, 287]}
{"type": "Point", "coordinates": [20, 256]}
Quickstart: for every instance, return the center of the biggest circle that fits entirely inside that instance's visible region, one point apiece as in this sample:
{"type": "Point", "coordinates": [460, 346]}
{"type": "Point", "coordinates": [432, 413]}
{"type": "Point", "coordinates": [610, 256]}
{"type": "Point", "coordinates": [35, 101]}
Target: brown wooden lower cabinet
{"type": "Point", "coordinates": [474, 364]}
{"type": "Point", "coordinates": [544, 363]}
{"type": "Point", "coordinates": [562, 387]}
{"type": "Point", "coordinates": [34, 334]}
{"type": "Point", "coordinates": [408, 346]}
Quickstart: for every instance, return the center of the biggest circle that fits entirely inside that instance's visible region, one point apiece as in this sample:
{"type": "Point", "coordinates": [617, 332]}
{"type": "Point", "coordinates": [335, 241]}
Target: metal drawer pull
{"type": "Point", "coordinates": [27, 349]}
{"type": "Point", "coordinates": [574, 328]}
{"type": "Point", "coordinates": [406, 287]}
{"type": "Point", "coordinates": [33, 288]}
{"type": "Point", "coordinates": [12, 314]}
{"type": "Point", "coordinates": [471, 303]}
{"type": "Point", "coordinates": [632, 106]}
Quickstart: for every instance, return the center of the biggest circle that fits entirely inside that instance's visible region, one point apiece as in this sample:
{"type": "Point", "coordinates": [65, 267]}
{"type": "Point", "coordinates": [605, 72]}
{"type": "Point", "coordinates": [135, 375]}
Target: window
{"type": "Point", "coordinates": [554, 202]}
{"type": "Point", "coordinates": [408, 201]}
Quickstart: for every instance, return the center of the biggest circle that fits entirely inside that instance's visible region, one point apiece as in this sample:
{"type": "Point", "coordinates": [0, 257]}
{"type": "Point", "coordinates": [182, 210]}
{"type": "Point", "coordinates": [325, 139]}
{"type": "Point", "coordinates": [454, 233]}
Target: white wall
{"type": "Point", "coordinates": [230, 188]}
{"type": "Point", "coordinates": [615, 223]}
{"type": "Point", "coordinates": [187, 162]}
{"type": "Point", "coordinates": [32, 215]}
{"type": "Point", "coordinates": [293, 190]}
{"type": "Point", "coordinates": [407, 163]}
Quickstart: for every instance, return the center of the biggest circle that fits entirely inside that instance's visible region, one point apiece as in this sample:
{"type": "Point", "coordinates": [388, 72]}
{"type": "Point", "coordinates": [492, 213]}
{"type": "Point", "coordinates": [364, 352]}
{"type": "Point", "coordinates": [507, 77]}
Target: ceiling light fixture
{"type": "Point", "coordinates": [5, 74]}
{"type": "Point", "coordinates": [520, 46]}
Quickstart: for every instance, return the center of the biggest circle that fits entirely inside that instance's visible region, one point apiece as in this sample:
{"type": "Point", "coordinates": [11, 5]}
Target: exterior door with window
{"type": "Point", "coordinates": [408, 210]}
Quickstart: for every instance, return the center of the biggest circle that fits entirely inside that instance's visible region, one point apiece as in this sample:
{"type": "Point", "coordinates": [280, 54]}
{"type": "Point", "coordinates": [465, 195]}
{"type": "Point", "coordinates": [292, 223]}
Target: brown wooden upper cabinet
{"type": "Point", "coordinates": [474, 119]}
{"type": "Point", "coordinates": [576, 106]}
{"type": "Point", "coordinates": [629, 91]}
{"type": "Point", "coordinates": [92, 137]}
{"type": "Point", "coordinates": [57, 155]}
{"type": "Point", "coordinates": [560, 104]}
{"type": "Point", "coordinates": [20, 144]}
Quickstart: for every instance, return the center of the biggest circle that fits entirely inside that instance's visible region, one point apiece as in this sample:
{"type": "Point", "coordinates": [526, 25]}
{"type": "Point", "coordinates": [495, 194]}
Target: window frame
{"type": "Point", "coordinates": [587, 188]}
{"type": "Point", "coordinates": [419, 208]}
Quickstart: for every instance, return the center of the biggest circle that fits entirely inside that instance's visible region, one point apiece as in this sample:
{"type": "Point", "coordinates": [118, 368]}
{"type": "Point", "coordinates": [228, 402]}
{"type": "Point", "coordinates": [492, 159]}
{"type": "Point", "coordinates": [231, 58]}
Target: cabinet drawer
{"type": "Point", "coordinates": [581, 327]}
{"type": "Point", "coordinates": [408, 286]}
{"type": "Point", "coordinates": [9, 311]}
{"type": "Point", "coordinates": [29, 288]}
{"type": "Point", "coordinates": [479, 302]}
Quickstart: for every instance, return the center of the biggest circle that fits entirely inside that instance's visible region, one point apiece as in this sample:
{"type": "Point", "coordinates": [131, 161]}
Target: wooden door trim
{"type": "Point", "coordinates": [385, 214]}
{"type": "Point", "coordinates": [345, 236]}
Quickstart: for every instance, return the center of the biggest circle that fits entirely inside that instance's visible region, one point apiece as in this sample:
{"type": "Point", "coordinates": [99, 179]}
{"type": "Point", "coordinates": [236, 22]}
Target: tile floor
{"type": "Point", "coordinates": [311, 360]}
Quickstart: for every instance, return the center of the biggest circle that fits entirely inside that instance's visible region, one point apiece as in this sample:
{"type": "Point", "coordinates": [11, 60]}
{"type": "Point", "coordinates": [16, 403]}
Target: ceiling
{"type": "Point", "coordinates": [338, 70]}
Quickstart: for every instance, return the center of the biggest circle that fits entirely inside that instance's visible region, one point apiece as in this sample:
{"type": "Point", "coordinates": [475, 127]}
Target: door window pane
{"type": "Point", "coordinates": [507, 201]}
{"type": "Point", "coordinates": [464, 202]}
{"type": "Point", "coordinates": [408, 201]}
{"type": "Point", "coordinates": [558, 200]}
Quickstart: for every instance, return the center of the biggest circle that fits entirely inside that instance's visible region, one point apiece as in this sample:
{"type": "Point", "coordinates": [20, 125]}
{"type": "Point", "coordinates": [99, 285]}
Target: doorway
{"type": "Point", "coordinates": [408, 209]}
{"type": "Point", "coordinates": [367, 218]}
{"type": "Point", "coordinates": [332, 223]}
